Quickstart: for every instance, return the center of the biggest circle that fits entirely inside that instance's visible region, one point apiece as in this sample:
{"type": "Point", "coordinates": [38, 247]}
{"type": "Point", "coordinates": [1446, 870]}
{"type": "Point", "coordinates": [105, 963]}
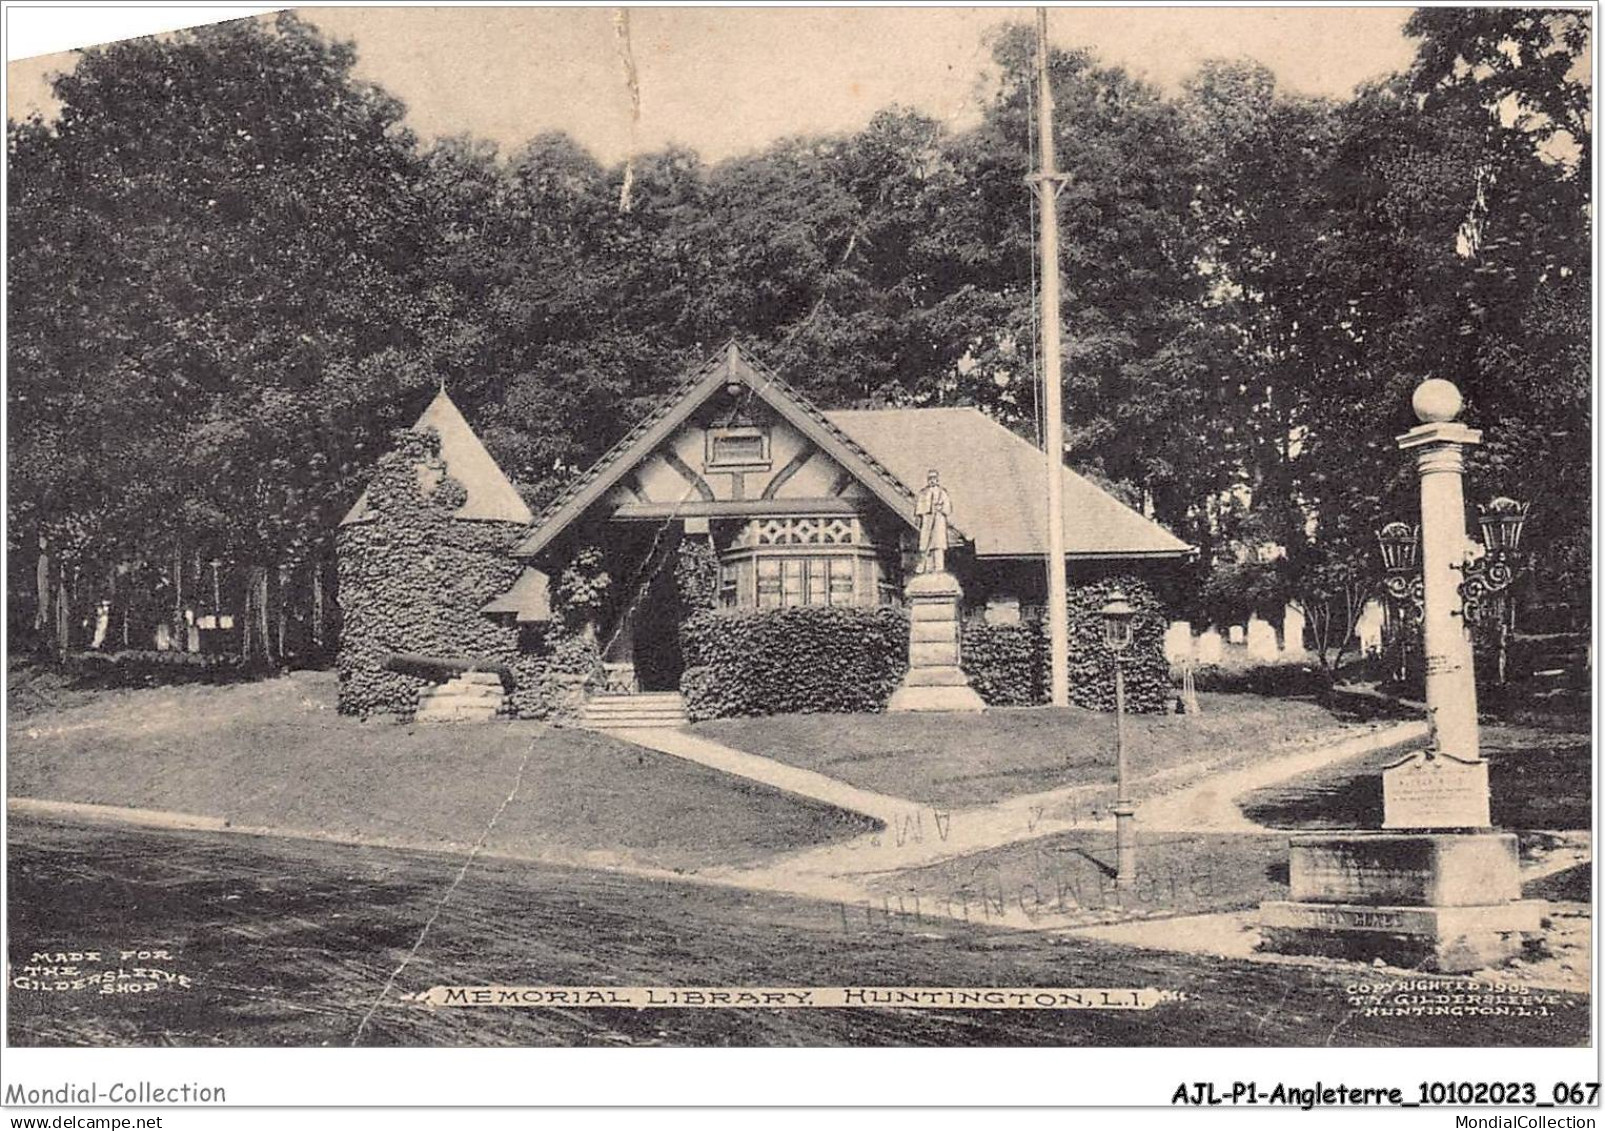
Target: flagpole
{"type": "Point", "coordinates": [1048, 181]}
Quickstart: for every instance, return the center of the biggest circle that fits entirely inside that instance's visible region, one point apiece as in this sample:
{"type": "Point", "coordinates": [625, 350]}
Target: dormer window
{"type": "Point", "coordinates": [738, 447]}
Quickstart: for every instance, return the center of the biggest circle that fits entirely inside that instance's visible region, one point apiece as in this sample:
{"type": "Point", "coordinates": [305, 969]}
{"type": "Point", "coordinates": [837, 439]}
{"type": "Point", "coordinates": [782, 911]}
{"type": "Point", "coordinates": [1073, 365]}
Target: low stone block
{"type": "Point", "coordinates": [1410, 869]}
{"type": "Point", "coordinates": [916, 697]}
{"type": "Point", "coordinates": [942, 610]}
{"type": "Point", "coordinates": [1448, 940]}
{"type": "Point", "coordinates": [1002, 610]}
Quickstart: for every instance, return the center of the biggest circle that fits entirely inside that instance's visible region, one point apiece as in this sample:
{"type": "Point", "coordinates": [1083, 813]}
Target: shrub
{"type": "Point", "coordinates": [1008, 664]}
{"type": "Point", "coordinates": [1282, 680]}
{"type": "Point", "coordinates": [801, 659]}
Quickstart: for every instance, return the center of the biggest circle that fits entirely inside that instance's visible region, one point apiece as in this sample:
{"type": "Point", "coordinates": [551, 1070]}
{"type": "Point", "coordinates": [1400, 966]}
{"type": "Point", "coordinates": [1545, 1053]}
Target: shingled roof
{"type": "Point", "coordinates": [995, 480]}
{"type": "Point", "coordinates": [491, 495]}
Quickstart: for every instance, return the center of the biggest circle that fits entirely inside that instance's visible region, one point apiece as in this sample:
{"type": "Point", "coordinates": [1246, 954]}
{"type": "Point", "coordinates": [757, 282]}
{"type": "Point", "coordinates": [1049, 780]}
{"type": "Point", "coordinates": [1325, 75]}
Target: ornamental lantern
{"type": "Point", "coordinates": [1501, 522]}
{"type": "Point", "coordinates": [1117, 617]}
{"type": "Point", "coordinates": [1400, 544]}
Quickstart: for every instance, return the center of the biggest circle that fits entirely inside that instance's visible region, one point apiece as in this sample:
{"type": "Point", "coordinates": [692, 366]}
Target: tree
{"type": "Point", "coordinates": [214, 302]}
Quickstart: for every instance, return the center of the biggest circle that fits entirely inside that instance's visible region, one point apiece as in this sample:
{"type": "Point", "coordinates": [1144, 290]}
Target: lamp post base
{"type": "Point", "coordinates": [1125, 845]}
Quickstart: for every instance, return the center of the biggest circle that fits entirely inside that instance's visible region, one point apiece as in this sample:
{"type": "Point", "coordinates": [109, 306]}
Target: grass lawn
{"type": "Point", "coordinates": [1073, 873]}
{"type": "Point", "coordinates": [971, 760]}
{"type": "Point", "coordinates": [1538, 775]}
{"type": "Point", "coordinates": [274, 753]}
{"type": "Point", "coordinates": [290, 943]}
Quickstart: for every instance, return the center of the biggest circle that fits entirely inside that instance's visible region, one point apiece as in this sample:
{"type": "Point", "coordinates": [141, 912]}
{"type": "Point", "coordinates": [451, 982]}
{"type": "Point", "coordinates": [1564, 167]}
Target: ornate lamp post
{"type": "Point", "coordinates": [1489, 571]}
{"type": "Point", "coordinates": [1486, 572]}
{"type": "Point", "coordinates": [1401, 547]}
{"type": "Point", "coordinates": [1118, 614]}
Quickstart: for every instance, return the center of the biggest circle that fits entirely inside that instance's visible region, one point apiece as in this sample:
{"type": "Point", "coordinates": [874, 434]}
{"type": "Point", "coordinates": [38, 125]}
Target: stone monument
{"type": "Point", "coordinates": [1437, 887]}
{"type": "Point", "coordinates": [934, 682]}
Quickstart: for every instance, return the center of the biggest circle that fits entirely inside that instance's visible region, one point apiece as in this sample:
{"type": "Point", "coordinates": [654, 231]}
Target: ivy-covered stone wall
{"type": "Point", "coordinates": [413, 579]}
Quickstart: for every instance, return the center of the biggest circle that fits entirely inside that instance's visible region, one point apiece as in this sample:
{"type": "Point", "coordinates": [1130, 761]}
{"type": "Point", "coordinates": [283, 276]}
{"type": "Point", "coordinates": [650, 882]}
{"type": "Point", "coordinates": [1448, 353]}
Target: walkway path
{"type": "Point", "coordinates": [767, 771]}
{"type": "Point", "coordinates": [1211, 805]}
{"type": "Point", "coordinates": [918, 835]}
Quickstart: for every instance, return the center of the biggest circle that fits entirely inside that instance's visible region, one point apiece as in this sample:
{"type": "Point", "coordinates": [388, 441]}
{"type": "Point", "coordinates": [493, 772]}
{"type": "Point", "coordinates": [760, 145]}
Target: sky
{"type": "Point", "coordinates": [723, 81]}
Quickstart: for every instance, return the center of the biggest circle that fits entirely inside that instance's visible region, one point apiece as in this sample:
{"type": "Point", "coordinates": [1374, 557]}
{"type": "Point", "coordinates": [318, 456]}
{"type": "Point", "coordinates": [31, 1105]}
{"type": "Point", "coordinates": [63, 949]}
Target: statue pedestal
{"type": "Point", "coordinates": [1446, 902]}
{"type": "Point", "coordinates": [935, 682]}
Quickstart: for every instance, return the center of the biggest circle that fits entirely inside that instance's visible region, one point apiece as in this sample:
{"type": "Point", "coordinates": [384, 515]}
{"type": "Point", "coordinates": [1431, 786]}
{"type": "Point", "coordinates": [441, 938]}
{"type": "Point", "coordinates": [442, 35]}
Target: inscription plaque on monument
{"type": "Point", "coordinates": [1435, 792]}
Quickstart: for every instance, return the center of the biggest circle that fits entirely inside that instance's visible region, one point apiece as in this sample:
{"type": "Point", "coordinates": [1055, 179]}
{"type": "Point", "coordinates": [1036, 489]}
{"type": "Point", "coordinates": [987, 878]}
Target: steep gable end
{"type": "Point", "coordinates": [491, 495]}
{"type": "Point", "coordinates": [649, 437]}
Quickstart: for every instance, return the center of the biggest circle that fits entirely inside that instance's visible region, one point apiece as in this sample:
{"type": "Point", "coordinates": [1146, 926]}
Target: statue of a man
{"type": "Point", "coordinates": [932, 508]}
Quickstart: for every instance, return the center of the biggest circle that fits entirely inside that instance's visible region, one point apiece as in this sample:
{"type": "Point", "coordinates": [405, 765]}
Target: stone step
{"type": "Point", "coordinates": [647, 711]}
{"type": "Point", "coordinates": [642, 697]}
{"type": "Point", "coordinates": [626, 705]}
{"type": "Point", "coordinates": [466, 690]}
{"type": "Point", "coordinates": [637, 724]}
{"type": "Point", "coordinates": [633, 720]}
{"type": "Point", "coordinates": [634, 703]}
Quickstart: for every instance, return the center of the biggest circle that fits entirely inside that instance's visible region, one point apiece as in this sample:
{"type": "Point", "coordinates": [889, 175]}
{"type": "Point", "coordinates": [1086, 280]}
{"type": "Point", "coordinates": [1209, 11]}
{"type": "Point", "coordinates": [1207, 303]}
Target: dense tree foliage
{"type": "Point", "coordinates": [233, 271]}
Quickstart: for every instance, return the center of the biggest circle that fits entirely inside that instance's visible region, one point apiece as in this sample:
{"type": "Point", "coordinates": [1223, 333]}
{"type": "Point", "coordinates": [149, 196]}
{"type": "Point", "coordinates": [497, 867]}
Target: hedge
{"type": "Point", "coordinates": [413, 578]}
{"type": "Point", "coordinates": [142, 667]}
{"type": "Point", "coordinates": [831, 658]}
{"type": "Point", "coordinates": [803, 659]}
{"type": "Point", "coordinates": [1008, 663]}
{"type": "Point", "coordinates": [1286, 680]}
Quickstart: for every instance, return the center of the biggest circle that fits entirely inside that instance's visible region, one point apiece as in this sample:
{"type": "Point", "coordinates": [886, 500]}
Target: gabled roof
{"type": "Point", "coordinates": [995, 480]}
{"type": "Point", "coordinates": [530, 598]}
{"type": "Point", "coordinates": [491, 496]}
{"type": "Point", "coordinates": [734, 366]}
